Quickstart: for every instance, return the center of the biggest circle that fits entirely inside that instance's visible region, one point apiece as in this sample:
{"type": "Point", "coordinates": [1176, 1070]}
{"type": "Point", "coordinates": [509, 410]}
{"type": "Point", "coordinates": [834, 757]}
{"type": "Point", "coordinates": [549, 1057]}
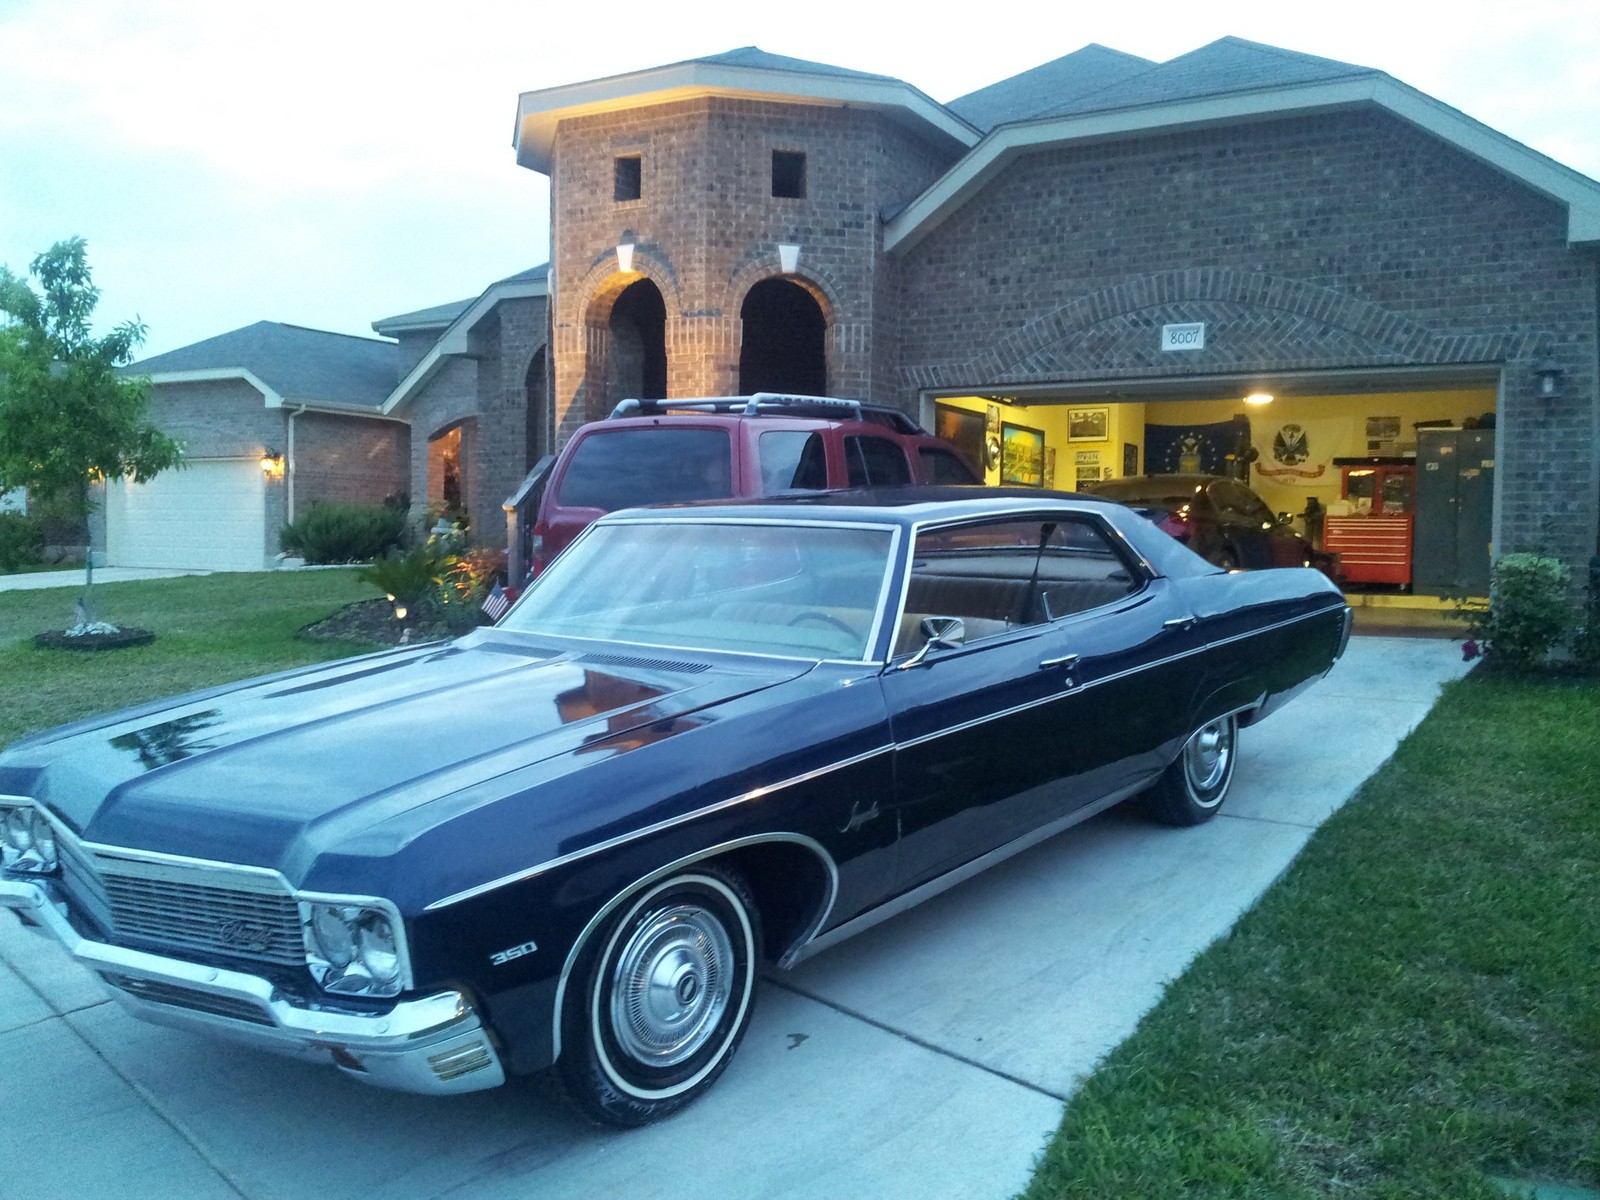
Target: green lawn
{"type": "Point", "coordinates": [1415, 1006]}
{"type": "Point", "coordinates": [209, 629]}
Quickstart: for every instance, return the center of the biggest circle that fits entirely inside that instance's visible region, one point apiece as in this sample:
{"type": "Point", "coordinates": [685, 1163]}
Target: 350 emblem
{"type": "Point", "coordinates": [501, 957]}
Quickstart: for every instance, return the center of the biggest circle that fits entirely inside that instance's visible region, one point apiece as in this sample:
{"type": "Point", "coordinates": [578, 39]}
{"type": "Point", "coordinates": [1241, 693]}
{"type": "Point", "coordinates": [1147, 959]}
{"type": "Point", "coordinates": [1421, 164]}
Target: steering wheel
{"type": "Point", "coordinates": [822, 618]}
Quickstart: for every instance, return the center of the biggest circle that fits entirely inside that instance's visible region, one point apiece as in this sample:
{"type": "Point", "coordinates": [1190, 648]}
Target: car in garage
{"type": "Point", "coordinates": [708, 737]}
{"type": "Point", "coordinates": [1218, 518]}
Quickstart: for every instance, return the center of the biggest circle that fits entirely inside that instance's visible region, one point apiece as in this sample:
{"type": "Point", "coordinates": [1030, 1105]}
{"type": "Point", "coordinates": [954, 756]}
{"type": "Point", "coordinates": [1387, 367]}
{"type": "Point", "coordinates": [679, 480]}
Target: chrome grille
{"type": "Point", "coordinates": [211, 919]}
{"type": "Point", "coordinates": [86, 893]}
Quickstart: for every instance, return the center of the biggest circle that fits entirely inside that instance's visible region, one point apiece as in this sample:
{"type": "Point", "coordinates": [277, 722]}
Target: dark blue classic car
{"type": "Point", "coordinates": [708, 737]}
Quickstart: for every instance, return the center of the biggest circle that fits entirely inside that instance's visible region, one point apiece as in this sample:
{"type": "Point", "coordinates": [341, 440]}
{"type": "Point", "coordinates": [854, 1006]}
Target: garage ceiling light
{"type": "Point", "coordinates": [1259, 398]}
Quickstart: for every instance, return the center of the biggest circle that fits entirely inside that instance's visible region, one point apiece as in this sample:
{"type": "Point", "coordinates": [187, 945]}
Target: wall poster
{"type": "Point", "coordinates": [1021, 455]}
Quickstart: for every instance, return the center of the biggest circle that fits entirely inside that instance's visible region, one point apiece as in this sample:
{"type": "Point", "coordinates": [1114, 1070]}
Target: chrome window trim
{"type": "Point", "coordinates": [659, 873]}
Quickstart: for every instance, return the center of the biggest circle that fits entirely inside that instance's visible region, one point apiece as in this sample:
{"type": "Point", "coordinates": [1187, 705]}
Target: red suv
{"type": "Point", "coordinates": [670, 451]}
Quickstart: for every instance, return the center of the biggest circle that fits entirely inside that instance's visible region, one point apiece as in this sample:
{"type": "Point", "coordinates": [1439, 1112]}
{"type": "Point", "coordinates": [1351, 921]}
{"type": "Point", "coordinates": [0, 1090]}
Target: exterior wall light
{"type": "Point", "coordinates": [1259, 398]}
{"type": "Point", "coordinates": [272, 464]}
{"type": "Point", "coordinates": [1550, 374]}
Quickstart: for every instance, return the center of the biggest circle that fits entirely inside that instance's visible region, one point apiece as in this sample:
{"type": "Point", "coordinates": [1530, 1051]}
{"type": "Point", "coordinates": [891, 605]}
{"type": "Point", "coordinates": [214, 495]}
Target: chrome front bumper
{"type": "Point", "coordinates": [435, 1044]}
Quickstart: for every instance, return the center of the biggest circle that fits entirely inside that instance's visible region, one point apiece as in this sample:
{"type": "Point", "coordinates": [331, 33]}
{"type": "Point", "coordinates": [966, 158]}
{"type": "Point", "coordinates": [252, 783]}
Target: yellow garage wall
{"type": "Point", "coordinates": [1336, 427]}
{"type": "Point", "coordinates": [1126, 425]}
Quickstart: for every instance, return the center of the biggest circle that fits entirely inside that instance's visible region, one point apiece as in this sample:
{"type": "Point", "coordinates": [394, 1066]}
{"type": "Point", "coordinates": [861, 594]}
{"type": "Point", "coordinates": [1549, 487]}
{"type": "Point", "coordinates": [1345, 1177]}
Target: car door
{"type": "Point", "coordinates": [999, 736]}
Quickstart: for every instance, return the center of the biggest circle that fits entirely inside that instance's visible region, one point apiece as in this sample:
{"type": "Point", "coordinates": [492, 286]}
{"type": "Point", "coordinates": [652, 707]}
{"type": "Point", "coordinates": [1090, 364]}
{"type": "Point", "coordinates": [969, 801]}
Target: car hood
{"type": "Point", "coordinates": [252, 773]}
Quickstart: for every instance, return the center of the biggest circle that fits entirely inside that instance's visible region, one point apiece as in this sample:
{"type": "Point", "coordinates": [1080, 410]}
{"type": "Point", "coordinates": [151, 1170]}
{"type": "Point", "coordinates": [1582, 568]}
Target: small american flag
{"type": "Point", "coordinates": [497, 603]}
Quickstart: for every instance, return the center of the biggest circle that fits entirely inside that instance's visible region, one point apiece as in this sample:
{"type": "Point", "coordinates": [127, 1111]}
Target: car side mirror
{"type": "Point", "coordinates": [938, 633]}
{"type": "Point", "coordinates": [1285, 519]}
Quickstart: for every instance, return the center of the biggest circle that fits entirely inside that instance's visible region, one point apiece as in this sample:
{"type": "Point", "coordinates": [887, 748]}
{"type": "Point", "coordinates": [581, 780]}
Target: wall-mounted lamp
{"type": "Point", "coordinates": [1550, 374]}
{"type": "Point", "coordinates": [625, 257]}
{"type": "Point", "coordinates": [1259, 398]}
{"type": "Point", "coordinates": [272, 464]}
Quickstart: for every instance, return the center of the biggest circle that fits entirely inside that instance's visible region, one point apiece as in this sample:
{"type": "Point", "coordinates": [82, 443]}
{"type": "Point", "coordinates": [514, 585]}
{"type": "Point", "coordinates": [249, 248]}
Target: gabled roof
{"type": "Point", "coordinates": [289, 364]}
{"type": "Point", "coordinates": [749, 73]}
{"type": "Point", "coordinates": [454, 341]}
{"type": "Point", "coordinates": [1047, 86]}
{"type": "Point", "coordinates": [441, 315]}
{"type": "Point", "coordinates": [1230, 81]}
{"type": "Point", "coordinates": [1228, 64]}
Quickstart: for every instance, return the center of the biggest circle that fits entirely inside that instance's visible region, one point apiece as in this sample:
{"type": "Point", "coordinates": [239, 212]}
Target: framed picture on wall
{"type": "Point", "coordinates": [1050, 467]}
{"type": "Point", "coordinates": [1088, 424]}
{"type": "Point", "coordinates": [1021, 455]}
{"type": "Point", "coordinates": [963, 429]}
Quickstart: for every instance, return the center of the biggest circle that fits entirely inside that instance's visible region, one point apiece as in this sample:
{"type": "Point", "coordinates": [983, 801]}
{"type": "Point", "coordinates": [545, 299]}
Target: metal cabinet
{"type": "Point", "coordinates": [1455, 511]}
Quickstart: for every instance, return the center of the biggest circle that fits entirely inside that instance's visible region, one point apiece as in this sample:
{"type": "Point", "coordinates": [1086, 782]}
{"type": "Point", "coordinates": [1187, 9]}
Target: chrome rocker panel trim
{"type": "Point", "coordinates": [435, 1045]}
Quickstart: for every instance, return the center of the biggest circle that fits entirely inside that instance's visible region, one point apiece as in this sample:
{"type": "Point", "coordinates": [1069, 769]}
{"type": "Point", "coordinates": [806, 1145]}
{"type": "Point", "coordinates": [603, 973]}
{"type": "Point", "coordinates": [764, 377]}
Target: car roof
{"type": "Point", "coordinates": [776, 420]}
{"type": "Point", "coordinates": [896, 505]}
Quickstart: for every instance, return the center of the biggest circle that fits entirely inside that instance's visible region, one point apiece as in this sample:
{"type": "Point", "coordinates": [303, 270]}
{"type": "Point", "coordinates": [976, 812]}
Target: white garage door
{"type": "Point", "coordinates": [209, 515]}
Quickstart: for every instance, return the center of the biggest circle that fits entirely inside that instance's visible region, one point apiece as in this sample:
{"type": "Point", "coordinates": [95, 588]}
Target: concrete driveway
{"type": "Point", "coordinates": [929, 1057]}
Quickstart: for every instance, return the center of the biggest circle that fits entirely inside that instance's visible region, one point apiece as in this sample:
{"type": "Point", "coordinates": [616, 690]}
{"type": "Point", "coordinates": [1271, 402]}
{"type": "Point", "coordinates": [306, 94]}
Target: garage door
{"type": "Point", "coordinates": [209, 515]}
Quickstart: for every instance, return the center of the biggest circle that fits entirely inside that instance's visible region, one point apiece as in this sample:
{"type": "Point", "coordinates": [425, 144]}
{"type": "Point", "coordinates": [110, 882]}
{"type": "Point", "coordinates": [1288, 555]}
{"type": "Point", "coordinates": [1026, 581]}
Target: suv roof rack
{"type": "Point", "coordinates": [775, 404]}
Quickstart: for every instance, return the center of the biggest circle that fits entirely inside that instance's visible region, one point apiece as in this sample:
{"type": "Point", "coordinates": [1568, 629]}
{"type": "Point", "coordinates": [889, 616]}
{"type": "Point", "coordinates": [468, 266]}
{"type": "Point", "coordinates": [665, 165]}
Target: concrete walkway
{"type": "Point", "coordinates": [928, 1058]}
{"type": "Point", "coordinates": [34, 580]}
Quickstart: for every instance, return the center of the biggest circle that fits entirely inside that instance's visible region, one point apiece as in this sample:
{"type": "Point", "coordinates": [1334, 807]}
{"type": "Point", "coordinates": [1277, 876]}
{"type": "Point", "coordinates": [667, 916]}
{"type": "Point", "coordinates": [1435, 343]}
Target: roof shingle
{"type": "Point", "coordinates": [311, 365]}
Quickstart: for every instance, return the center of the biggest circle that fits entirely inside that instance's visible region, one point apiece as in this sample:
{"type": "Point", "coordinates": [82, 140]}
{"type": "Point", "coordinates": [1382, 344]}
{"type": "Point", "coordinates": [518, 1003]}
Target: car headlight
{"type": "Point", "coordinates": [354, 949]}
{"type": "Point", "coordinates": [27, 840]}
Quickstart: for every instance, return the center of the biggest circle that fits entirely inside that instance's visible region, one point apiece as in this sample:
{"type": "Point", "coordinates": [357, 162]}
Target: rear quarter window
{"type": "Point", "coordinates": [875, 462]}
{"type": "Point", "coordinates": [623, 468]}
{"type": "Point", "coordinates": [792, 459]}
{"type": "Point", "coordinates": [945, 467]}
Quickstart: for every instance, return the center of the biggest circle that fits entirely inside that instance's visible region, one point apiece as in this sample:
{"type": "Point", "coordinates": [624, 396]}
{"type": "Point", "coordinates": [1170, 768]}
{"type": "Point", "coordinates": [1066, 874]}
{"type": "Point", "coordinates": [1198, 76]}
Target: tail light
{"type": "Point", "coordinates": [1176, 524]}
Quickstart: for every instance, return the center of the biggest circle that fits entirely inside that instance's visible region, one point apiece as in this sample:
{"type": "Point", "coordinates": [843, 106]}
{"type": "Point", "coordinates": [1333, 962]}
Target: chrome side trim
{"type": "Point", "coordinates": [648, 830]}
{"type": "Point", "coordinates": [941, 883]}
{"type": "Point", "coordinates": [634, 888]}
{"type": "Point", "coordinates": [1079, 689]}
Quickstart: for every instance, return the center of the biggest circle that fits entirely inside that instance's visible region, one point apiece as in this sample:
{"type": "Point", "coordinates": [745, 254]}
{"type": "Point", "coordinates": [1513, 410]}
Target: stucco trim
{"type": "Point", "coordinates": [1579, 193]}
{"type": "Point", "coordinates": [453, 342]}
{"type": "Point", "coordinates": [539, 112]}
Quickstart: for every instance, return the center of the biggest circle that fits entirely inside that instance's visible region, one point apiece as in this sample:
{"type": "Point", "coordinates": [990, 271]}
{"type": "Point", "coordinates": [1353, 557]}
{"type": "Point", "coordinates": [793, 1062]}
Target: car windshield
{"type": "Point", "coordinates": [804, 591]}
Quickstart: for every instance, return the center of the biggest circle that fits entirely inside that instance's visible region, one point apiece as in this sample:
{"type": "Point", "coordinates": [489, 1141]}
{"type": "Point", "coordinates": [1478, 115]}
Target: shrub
{"type": "Point", "coordinates": [1586, 645]}
{"type": "Point", "coordinates": [409, 578]}
{"type": "Point", "coordinates": [1529, 610]}
{"type": "Point", "coordinates": [335, 532]}
{"type": "Point", "coordinates": [21, 540]}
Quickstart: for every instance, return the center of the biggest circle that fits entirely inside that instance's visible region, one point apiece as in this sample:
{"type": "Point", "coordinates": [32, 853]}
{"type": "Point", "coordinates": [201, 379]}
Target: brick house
{"type": "Point", "coordinates": [1106, 253]}
{"type": "Point", "coordinates": [273, 419]}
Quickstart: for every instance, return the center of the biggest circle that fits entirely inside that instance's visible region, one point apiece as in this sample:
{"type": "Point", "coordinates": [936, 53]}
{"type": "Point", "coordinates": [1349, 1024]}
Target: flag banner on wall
{"type": "Point", "coordinates": [1298, 452]}
{"type": "Point", "coordinates": [1189, 449]}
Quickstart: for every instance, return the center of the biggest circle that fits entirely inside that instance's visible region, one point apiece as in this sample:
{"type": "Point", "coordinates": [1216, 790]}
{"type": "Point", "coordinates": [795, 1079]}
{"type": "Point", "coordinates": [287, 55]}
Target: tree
{"type": "Point", "coordinates": [66, 416]}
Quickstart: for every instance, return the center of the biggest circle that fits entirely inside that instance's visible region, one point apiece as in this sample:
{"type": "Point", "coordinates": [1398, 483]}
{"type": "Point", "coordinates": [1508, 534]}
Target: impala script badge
{"type": "Point", "coordinates": [244, 935]}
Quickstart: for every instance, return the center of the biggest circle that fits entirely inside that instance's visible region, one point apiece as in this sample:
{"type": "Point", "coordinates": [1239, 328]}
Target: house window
{"type": "Point", "coordinates": [628, 181]}
{"type": "Point", "coordinates": [788, 174]}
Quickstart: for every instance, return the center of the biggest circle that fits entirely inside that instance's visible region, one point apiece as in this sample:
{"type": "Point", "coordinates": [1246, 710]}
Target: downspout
{"type": "Point", "coordinates": [289, 466]}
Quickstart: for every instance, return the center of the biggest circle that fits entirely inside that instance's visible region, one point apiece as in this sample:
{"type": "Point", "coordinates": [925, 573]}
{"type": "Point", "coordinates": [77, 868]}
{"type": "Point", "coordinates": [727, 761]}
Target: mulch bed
{"type": "Point", "coordinates": [121, 640]}
{"type": "Point", "coordinates": [373, 621]}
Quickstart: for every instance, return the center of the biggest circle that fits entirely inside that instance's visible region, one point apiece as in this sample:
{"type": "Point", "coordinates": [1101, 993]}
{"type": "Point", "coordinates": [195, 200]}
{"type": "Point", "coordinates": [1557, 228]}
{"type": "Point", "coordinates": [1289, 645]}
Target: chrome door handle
{"type": "Point", "coordinates": [1066, 660]}
{"type": "Point", "coordinates": [1178, 623]}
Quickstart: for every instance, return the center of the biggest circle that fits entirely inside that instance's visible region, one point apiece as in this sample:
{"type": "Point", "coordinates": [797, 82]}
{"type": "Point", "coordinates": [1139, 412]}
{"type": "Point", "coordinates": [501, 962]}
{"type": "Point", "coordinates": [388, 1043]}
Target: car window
{"type": "Point", "coordinates": [1003, 575]}
{"type": "Point", "coordinates": [622, 468]}
{"type": "Point", "coordinates": [1232, 501]}
{"type": "Point", "coordinates": [943, 466]}
{"type": "Point", "coordinates": [875, 462]}
{"type": "Point", "coordinates": [792, 459]}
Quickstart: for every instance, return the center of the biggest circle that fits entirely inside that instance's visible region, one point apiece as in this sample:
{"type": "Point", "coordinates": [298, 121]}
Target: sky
{"type": "Point", "coordinates": [334, 162]}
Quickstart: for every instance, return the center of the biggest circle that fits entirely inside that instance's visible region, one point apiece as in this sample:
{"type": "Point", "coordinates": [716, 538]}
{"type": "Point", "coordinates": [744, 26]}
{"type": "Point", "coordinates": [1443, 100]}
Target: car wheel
{"type": "Point", "coordinates": [1192, 789]}
{"type": "Point", "coordinates": [667, 995]}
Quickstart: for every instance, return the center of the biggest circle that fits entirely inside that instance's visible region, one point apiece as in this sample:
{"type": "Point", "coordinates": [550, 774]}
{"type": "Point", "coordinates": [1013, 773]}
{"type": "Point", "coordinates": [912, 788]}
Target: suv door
{"type": "Point", "coordinates": [875, 462]}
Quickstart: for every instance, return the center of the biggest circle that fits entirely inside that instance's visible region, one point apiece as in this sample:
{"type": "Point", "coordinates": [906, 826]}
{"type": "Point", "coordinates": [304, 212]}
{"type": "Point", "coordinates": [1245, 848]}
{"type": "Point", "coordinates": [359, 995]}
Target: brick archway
{"type": "Point", "coordinates": [846, 335]}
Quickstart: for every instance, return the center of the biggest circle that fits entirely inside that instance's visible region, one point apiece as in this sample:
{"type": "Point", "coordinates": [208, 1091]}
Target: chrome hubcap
{"type": "Point", "coordinates": [672, 984]}
{"type": "Point", "coordinates": [1206, 757]}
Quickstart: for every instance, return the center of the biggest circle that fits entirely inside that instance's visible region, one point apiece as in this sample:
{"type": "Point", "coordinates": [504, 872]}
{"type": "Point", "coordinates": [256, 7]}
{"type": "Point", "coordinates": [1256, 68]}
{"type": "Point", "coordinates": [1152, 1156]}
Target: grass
{"type": "Point", "coordinates": [209, 629]}
{"type": "Point", "coordinates": [1415, 1006]}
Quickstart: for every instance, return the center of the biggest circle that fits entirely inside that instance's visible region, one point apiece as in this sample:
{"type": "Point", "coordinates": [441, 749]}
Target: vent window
{"type": "Point", "coordinates": [788, 174]}
{"type": "Point", "coordinates": [629, 178]}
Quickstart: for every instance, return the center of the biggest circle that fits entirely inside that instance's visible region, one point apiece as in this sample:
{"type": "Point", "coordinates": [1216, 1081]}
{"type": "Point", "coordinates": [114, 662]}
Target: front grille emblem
{"type": "Point", "coordinates": [244, 935]}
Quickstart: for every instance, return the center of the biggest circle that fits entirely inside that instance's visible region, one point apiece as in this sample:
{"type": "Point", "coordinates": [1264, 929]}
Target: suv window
{"type": "Point", "coordinates": [875, 462]}
{"type": "Point", "coordinates": [792, 459]}
{"type": "Point", "coordinates": [941, 466]}
{"type": "Point", "coordinates": [621, 468]}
